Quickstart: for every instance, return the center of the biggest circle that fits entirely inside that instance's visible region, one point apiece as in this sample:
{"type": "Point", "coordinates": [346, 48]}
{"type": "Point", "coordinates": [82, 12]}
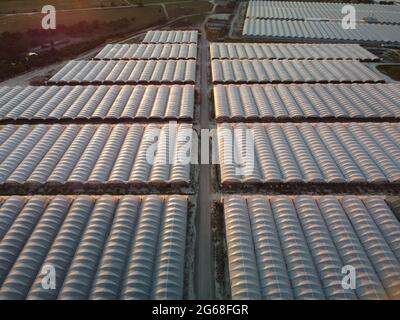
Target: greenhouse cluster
{"type": "Point", "coordinates": [250, 102]}
{"type": "Point", "coordinates": [307, 135]}
{"type": "Point", "coordinates": [97, 102]}
{"type": "Point", "coordinates": [95, 154]}
{"type": "Point", "coordinates": [310, 153]}
{"type": "Point", "coordinates": [316, 21]}
{"type": "Point", "coordinates": [220, 50]}
{"type": "Point", "coordinates": [283, 247]}
{"type": "Point", "coordinates": [209, 165]}
{"type": "Point", "coordinates": [290, 10]}
{"type": "Point", "coordinates": [126, 72]}
{"type": "Point", "coordinates": [89, 191]}
{"type": "Point", "coordinates": [320, 31]}
{"type": "Point", "coordinates": [103, 247]}
{"type": "Point", "coordinates": [288, 71]}
{"type": "Point", "coordinates": [171, 36]}
{"type": "Point", "coordinates": [147, 52]}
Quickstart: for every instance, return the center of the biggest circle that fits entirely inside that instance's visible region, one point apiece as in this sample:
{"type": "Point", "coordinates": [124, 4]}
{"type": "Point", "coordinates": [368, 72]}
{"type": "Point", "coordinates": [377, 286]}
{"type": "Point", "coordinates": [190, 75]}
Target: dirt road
{"type": "Point", "coordinates": [204, 274]}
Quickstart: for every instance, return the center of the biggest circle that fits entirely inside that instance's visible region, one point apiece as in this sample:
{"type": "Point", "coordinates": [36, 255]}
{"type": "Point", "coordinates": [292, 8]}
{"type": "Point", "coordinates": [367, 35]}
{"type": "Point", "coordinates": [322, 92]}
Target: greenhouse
{"type": "Point", "coordinates": [37, 155]}
{"type": "Point", "coordinates": [289, 71]}
{"type": "Point", "coordinates": [320, 31]}
{"type": "Point", "coordinates": [309, 153]}
{"type": "Point", "coordinates": [102, 247]}
{"type": "Point", "coordinates": [282, 247]}
{"type": "Point", "coordinates": [97, 102]}
{"type": "Point", "coordinates": [171, 36]}
{"type": "Point", "coordinates": [147, 52]}
{"type": "Point", "coordinates": [222, 50]}
{"type": "Point", "coordinates": [126, 72]}
{"type": "Point", "coordinates": [306, 101]}
{"type": "Point", "coordinates": [290, 10]}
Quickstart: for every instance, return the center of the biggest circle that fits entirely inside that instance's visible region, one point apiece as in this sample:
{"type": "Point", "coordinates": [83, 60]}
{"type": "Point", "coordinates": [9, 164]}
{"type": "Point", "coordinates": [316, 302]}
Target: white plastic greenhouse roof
{"type": "Point", "coordinates": [222, 50]}
{"type": "Point", "coordinates": [309, 153]}
{"type": "Point", "coordinates": [318, 30]}
{"type": "Point", "coordinates": [322, 5]}
{"type": "Point", "coordinates": [305, 101]}
{"type": "Point", "coordinates": [103, 247]}
{"type": "Point", "coordinates": [171, 36]}
{"type": "Point", "coordinates": [147, 51]}
{"type": "Point", "coordinates": [37, 155]}
{"type": "Point", "coordinates": [282, 247]}
{"type": "Point", "coordinates": [97, 102]}
{"type": "Point", "coordinates": [126, 72]}
{"type": "Point", "coordinates": [289, 71]}
{"type": "Point", "coordinates": [313, 10]}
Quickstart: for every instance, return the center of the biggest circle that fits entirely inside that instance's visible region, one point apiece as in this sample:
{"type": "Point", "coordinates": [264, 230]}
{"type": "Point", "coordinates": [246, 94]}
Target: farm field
{"type": "Point", "coordinates": [393, 71]}
{"type": "Point", "coordinates": [141, 17]}
{"type": "Point", "coordinates": [191, 7]}
{"type": "Point", "coordinates": [164, 1]}
{"type": "Point", "coordinates": [15, 6]}
{"type": "Point", "coordinates": [18, 6]}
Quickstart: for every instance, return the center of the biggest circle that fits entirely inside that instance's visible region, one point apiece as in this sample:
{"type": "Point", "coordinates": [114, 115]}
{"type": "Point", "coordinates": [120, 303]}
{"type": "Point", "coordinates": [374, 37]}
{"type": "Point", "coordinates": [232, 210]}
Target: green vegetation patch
{"type": "Point", "coordinates": [189, 22]}
{"type": "Point", "coordinates": [16, 6]}
{"type": "Point", "coordinates": [188, 8]}
{"type": "Point", "coordinates": [140, 17]}
{"type": "Point", "coordinates": [393, 71]}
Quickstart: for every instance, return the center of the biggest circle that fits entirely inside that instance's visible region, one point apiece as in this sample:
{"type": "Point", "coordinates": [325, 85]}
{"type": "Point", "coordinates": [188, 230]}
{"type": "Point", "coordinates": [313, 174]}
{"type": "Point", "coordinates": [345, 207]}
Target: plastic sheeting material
{"type": "Point", "coordinates": [320, 30]}
{"type": "Point", "coordinates": [282, 247]}
{"type": "Point", "coordinates": [171, 36]}
{"type": "Point", "coordinates": [97, 102]}
{"type": "Point", "coordinates": [309, 153]}
{"type": "Point", "coordinates": [306, 101]}
{"type": "Point", "coordinates": [323, 11]}
{"type": "Point", "coordinates": [289, 71]}
{"type": "Point", "coordinates": [101, 247]}
{"type": "Point", "coordinates": [126, 72]}
{"type": "Point", "coordinates": [95, 154]}
{"type": "Point", "coordinates": [220, 50]}
{"type": "Point", "coordinates": [147, 51]}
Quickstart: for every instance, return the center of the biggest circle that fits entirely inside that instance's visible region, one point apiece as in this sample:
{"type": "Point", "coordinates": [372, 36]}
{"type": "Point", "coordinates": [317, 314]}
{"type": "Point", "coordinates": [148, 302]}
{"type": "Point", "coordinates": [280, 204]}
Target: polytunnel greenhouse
{"type": "Point", "coordinates": [306, 101]}
{"type": "Point", "coordinates": [222, 50]}
{"type": "Point", "coordinates": [37, 155]}
{"type": "Point", "coordinates": [147, 52]}
{"type": "Point", "coordinates": [290, 71]}
{"type": "Point", "coordinates": [309, 153]}
{"type": "Point", "coordinates": [103, 247]}
{"type": "Point", "coordinates": [319, 5]}
{"type": "Point", "coordinates": [282, 247]}
{"type": "Point", "coordinates": [289, 10]}
{"type": "Point", "coordinates": [126, 72]}
{"type": "Point", "coordinates": [171, 36]}
{"type": "Point", "coordinates": [97, 102]}
{"type": "Point", "coordinates": [320, 31]}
